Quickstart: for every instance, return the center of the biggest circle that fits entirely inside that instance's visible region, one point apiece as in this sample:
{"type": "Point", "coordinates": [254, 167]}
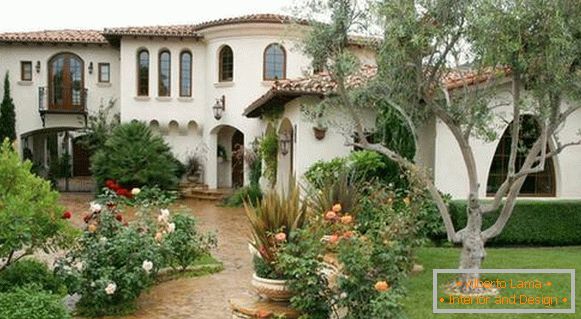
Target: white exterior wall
{"type": "Point", "coordinates": [25, 94]}
{"type": "Point", "coordinates": [450, 172]}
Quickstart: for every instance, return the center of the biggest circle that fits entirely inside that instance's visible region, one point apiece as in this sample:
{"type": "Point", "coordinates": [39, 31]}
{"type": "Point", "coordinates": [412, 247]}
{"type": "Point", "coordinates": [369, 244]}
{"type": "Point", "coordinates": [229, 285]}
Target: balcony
{"type": "Point", "coordinates": [64, 100]}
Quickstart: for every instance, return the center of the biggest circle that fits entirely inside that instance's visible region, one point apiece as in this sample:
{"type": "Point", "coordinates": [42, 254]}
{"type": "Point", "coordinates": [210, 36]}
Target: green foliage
{"type": "Point", "coordinates": [99, 128]}
{"type": "Point", "coordinates": [30, 217]}
{"type": "Point", "coordinates": [268, 150]}
{"type": "Point", "coordinates": [62, 167]}
{"type": "Point", "coordinates": [254, 161]}
{"type": "Point", "coordinates": [135, 157]}
{"type": "Point", "coordinates": [275, 215]}
{"type": "Point", "coordinates": [372, 243]}
{"type": "Point", "coordinates": [251, 194]}
{"type": "Point", "coordinates": [184, 246]}
{"type": "Point", "coordinates": [30, 272]}
{"type": "Point", "coordinates": [31, 303]}
{"type": "Point", "coordinates": [7, 114]}
{"type": "Point", "coordinates": [323, 172]}
{"type": "Point", "coordinates": [221, 152]}
{"type": "Point", "coordinates": [529, 223]}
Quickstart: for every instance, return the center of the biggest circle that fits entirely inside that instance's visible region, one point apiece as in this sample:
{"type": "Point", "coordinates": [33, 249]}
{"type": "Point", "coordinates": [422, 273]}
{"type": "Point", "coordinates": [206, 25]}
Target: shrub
{"type": "Point", "coordinates": [100, 125]}
{"type": "Point", "coordinates": [535, 223]}
{"type": "Point", "coordinates": [7, 114]}
{"type": "Point", "coordinates": [272, 220]}
{"type": "Point", "coordinates": [185, 244]}
{"type": "Point", "coordinates": [325, 172]}
{"type": "Point", "coordinates": [30, 217]}
{"type": "Point", "coordinates": [27, 272]}
{"type": "Point", "coordinates": [108, 265]}
{"type": "Point", "coordinates": [268, 150]}
{"type": "Point", "coordinates": [251, 194]}
{"type": "Point", "coordinates": [31, 303]}
{"type": "Point", "coordinates": [135, 157]}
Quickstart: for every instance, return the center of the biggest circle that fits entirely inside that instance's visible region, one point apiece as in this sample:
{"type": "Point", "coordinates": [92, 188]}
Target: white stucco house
{"type": "Point", "coordinates": [208, 84]}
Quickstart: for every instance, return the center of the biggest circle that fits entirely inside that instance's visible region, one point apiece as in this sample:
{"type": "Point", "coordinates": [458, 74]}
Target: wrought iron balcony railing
{"type": "Point", "coordinates": [62, 100]}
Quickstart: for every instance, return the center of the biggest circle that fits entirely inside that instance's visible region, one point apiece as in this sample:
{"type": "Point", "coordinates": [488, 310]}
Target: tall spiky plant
{"type": "Point", "coordinates": [276, 213]}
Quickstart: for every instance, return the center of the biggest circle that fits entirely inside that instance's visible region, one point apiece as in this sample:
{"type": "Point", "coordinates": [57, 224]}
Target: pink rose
{"type": "Point", "coordinates": [280, 236]}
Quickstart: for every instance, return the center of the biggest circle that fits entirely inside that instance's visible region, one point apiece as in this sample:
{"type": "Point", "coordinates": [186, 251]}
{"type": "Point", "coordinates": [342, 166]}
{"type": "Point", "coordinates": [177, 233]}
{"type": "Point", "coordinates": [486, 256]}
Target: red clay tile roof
{"type": "Point", "coordinates": [321, 85]}
{"type": "Point", "coordinates": [184, 30]}
{"type": "Point", "coordinates": [251, 18]}
{"type": "Point", "coordinates": [58, 36]}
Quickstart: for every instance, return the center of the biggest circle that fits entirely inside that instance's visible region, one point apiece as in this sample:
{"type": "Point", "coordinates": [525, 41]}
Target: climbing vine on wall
{"type": "Point", "coordinates": [269, 153]}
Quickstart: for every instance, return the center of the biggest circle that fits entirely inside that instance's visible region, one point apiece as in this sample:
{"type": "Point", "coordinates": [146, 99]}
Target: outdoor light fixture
{"type": "Point", "coordinates": [285, 141]}
{"type": "Point", "coordinates": [219, 107]}
{"type": "Point", "coordinates": [90, 67]}
{"type": "Point", "coordinates": [37, 66]}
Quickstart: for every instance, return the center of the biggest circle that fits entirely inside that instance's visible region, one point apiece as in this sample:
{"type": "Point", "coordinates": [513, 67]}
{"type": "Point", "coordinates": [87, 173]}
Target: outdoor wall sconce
{"type": "Point", "coordinates": [37, 66]}
{"type": "Point", "coordinates": [90, 67]}
{"type": "Point", "coordinates": [285, 141]}
{"type": "Point", "coordinates": [219, 107]}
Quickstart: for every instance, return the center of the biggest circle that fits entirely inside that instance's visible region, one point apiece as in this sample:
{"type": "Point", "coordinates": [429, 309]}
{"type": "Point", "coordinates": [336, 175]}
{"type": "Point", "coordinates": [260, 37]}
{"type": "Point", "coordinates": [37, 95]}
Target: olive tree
{"type": "Point", "coordinates": [533, 45]}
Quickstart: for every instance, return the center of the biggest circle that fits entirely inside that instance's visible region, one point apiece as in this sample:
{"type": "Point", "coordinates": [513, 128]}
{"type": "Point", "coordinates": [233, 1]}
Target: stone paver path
{"type": "Point", "coordinates": [203, 297]}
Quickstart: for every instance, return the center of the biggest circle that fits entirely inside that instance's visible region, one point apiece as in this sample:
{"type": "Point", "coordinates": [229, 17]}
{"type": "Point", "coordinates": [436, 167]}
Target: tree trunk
{"type": "Point", "coordinates": [473, 252]}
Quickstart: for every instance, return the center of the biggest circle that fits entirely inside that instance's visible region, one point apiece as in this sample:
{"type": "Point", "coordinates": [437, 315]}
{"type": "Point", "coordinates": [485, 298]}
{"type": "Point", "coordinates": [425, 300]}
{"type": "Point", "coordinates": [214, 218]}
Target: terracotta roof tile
{"type": "Point", "coordinates": [321, 84]}
{"type": "Point", "coordinates": [184, 30]}
{"type": "Point", "coordinates": [57, 36]}
{"type": "Point", "coordinates": [251, 18]}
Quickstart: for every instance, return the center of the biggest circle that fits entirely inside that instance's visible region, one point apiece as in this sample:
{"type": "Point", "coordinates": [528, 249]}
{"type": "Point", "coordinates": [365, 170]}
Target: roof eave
{"type": "Point", "coordinates": [273, 97]}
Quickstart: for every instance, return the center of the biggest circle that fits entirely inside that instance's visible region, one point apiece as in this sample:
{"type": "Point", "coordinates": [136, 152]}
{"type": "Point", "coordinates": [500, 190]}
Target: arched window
{"type": "Point", "coordinates": [66, 82]}
{"type": "Point", "coordinates": [186, 73]}
{"type": "Point", "coordinates": [164, 71]}
{"type": "Point", "coordinates": [274, 62]}
{"type": "Point", "coordinates": [540, 184]}
{"type": "Point", "coordinates": [226, 64]}
{"type": "Point", "coordinates": [143, 73]}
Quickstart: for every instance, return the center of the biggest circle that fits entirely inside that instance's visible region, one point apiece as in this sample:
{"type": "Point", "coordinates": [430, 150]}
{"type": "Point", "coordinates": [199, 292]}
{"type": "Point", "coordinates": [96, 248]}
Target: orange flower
{"type": "Point", "coordinates": [333, 239]}
{"type": "Point", "coordinates": [381, 286]}
{"type": "Point", "coordinates": [407, 200]}
{"type": "Point", "coordinates": [348, 234]}
{"type": "Point", "coordinates": [158, 236]}
{"type": "Point", "coordinates": [347, 219]}
{"type": "Point", "coordinates": [92, 228]}
{"type": "Point", "coordinates": [390, 200]}
{"type": "Point", "coordinates": [262, 313]}
{"type": "Point", "coordinates": [330, 215]}
{"type": "Point", "coordinates": [337, 208]}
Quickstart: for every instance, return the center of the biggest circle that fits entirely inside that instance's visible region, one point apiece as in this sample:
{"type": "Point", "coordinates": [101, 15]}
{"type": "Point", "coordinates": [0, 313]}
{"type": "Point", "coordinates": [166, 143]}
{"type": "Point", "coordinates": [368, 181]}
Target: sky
{"type": "Point", "coordinates": [35, 15]}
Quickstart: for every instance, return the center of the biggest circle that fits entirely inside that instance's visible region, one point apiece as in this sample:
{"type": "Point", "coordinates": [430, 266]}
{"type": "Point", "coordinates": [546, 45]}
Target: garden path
{"type": "Point", "coordinates": [203, 297]}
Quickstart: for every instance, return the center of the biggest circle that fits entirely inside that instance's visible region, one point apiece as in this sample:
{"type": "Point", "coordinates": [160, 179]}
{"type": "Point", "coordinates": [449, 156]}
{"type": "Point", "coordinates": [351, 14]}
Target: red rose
{"type": "Point", "coordinates": [119, 217]}
{"type": "Point", "coordinates": [67, 215]}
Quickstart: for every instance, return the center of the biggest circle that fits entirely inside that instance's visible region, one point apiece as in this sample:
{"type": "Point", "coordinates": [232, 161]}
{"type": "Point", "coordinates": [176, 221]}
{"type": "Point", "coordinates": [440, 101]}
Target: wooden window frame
{"type": "Point", "coordinates": [159, 73]}
{"type": "Point", "coordinates": [99, 67]}
{"type": "Point", "coordinates": [191, 73]}
{"type": "Point", "coordinates": [221, 64]}
{"type": "Point", "coordinates": [138, 65]}
{"type": "Point", "coordinates": [22, 73]}
{"type": "Point", "coordinates": [264, 78]}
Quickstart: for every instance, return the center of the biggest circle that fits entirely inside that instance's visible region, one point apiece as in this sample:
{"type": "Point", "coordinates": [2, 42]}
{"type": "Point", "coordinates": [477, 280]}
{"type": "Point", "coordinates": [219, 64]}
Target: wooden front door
{"type": "Point", "coordinates": [81, 162]}
{"type": "Point", "coordinates": [66, 82]}
{"type": "Point", "coordinates": [238, 161]}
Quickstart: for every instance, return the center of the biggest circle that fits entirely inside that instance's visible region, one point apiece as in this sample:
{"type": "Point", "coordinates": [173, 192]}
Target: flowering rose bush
{"type": "Point", "coordinates": [352, 262]}
{"type": "Point", "coordinates": [119, 257]}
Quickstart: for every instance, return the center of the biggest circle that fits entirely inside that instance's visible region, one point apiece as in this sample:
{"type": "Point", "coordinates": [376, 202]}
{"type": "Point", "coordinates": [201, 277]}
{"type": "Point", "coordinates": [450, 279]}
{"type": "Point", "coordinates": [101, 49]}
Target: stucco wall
{"type": "Point", "coordinates": [450, 172]}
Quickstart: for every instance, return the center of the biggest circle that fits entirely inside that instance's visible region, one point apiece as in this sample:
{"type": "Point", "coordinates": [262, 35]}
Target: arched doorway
{"type": "Point", "coordinates": [229, 157]}
{"type": "Point", "coordinates": [66, 82]}
{"type": "Point", "coordinates": [540, 184]}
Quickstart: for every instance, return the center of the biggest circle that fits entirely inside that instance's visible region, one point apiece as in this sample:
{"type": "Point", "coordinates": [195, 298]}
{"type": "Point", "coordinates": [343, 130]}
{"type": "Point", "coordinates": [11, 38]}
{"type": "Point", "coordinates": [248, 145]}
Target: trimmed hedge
{"type": "Point", "coordinates": [533, 223]}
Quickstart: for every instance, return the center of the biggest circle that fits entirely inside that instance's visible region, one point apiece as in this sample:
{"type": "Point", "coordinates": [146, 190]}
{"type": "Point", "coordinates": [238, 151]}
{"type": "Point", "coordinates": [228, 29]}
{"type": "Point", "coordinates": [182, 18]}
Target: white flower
{"type": "Point", "coordinates": [93, 284]}
{"type": "Point", "coordinates": [95, 207]}
{"type": "Point", "coordinates": [110, 289]}
{"type": "Point", "coordinates": [135, 191]}
{"type": "Point", "coordinates": [343, 295]}
{"type": "Point", "coordinates": [103, 240]}
{"type": "Point", "coordinates": [79, 266]}
{"type": "Point", "coordinates": [147, 266]}
{"type": "Point", "coordinates": [164, 216]}
{"type": "Point", "coordinates": [171, 227]}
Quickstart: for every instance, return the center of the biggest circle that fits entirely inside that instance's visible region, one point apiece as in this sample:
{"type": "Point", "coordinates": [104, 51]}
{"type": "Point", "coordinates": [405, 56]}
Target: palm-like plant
{"type": "Point", "coordinates": [275, 214]}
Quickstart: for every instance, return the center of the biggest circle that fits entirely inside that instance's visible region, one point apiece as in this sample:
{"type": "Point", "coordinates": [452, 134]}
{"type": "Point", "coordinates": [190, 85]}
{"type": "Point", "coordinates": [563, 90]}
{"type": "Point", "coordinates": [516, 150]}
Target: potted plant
{"type": "Point", "coordinates": [319, 132]}
{"type": "Point", "coordinates": [194, 169]}
{"type": "Point", "coordinates": [272, 221]}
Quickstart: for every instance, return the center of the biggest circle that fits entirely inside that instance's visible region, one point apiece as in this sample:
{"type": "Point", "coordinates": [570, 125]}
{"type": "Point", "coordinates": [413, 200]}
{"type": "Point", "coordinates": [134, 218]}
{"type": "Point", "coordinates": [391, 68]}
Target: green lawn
{"type": "Point", "coordinates": [419, 301]}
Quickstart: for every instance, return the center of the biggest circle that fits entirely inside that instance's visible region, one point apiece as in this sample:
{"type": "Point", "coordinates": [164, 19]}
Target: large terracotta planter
{"type": "Point", "coordinates": [276, 290]}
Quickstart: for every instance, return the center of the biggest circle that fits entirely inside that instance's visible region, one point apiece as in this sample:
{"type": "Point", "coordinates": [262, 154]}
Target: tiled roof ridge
{"type": "Point", "coordinates": [59, 36]}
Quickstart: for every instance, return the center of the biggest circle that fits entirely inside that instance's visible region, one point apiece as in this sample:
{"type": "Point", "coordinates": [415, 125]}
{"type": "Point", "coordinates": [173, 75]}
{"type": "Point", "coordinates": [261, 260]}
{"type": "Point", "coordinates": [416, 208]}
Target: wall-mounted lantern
{"type": "Point", "coordinates": [90, 67]}
{"type": "Point", "coordinates": [219, 107]}
{"type": "Point", "coordinates": [37, 66]}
